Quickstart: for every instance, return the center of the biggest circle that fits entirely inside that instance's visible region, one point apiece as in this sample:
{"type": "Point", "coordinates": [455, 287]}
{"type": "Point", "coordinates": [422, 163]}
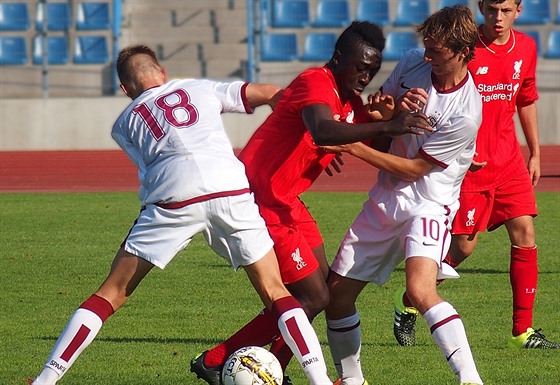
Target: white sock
{"type": "Point", "coordinates": [302, 340]}
{"type": "Point", "coordinates": [81, 329]}
{"type": "Point", "coordinates": [449, 334]}
{"type": "Point", "coordinates": [345, 342]}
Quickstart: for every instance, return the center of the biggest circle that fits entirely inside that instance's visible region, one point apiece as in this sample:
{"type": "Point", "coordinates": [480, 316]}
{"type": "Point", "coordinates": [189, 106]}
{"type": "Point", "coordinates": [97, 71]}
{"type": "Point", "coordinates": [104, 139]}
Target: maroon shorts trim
{"type": "Point", "coordinates": [203, 198]}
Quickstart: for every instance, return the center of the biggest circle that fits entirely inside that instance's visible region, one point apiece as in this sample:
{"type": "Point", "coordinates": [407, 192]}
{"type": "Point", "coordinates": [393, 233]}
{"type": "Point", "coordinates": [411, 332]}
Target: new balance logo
{"type": "Point", "coordinates": [482, 71]}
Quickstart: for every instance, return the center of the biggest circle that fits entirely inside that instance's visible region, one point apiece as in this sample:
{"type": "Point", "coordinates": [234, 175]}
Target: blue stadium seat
{"type": "Point", "coordinates": [13, 50]}
{"type": "Point", "coordinates": [279, 47]}
{"type": "Point", "coordinates": [319, 46]}
{"type": "Point", "coordinates": [290, 13]}
{"type": "Point", "coordinates": [534, 12]}
{"type": "Point", "coordinates": [557, 20]}
{"type": "Point", "coordinates": [535, 34]}
{"type": "Point", "coordinates": [411, 12]}
{"type": "Point", "coordinates": [91, 50]}
{"type": "Point", "coordinates": [14, 17]}
{"type": "Point", "coordinates": [553, 45]}
{"type": "Point", "coordinates": [451, 3]}
{"type": "Point", "coordinates": [57, 50]}
{"type": "Point", "coordinates": [398, 42]}
{"type": "Point", "coordinates": [92, 16]}
{"type": "Point", "coordinates": [374, 11]}
{"type": "Point", "coordinates": [332, 14]}
{"type": "Point", "coordinates": [57, 15]}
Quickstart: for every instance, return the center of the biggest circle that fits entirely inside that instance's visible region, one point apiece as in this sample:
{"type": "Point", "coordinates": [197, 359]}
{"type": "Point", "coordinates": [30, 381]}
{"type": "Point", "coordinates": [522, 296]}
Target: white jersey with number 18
{"type": "Point", "coordinates": [175, 136]}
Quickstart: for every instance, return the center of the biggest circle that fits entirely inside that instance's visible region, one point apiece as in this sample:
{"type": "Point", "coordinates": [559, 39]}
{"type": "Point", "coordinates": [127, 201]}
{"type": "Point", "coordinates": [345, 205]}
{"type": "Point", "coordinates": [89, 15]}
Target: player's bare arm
{"type": "Point", "coordinates": [260, 94]}
{"type": "Point", "coordinates": [402, 168]}
{"type": "Point", "coordinates": [528, 119]}
{"type": "Point", "coordinates": [318, 119]}
{"type": "Point", "coordinates": [379, 107]}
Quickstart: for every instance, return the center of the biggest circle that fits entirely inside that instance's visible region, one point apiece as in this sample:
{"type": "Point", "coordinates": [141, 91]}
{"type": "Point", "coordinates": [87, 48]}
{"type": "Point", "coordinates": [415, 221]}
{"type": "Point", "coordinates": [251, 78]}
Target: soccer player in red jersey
{"type": "Point", "coordinates": [322, 106]}
{"type": "Point", "coordinates": [499, 191]}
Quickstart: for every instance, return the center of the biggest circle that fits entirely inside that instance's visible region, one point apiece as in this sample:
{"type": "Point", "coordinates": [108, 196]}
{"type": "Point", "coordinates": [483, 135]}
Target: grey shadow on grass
{"type": "Point", "coordinates": [154, 340]}
{"type": "Point", "coordinates": [469, 271]}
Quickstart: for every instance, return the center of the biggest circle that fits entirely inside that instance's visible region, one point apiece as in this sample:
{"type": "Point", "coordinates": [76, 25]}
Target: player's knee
{"type": "Point", "coordinates": [315, 304]}
{"type": "Point", "coordinates": [524, 238]}
{"type": "Point", "coordinates": [461, 250]}
{"type": "Point", "coordinates": [422, 298]}
{"type": "Point", "coordinates": [465, 251]}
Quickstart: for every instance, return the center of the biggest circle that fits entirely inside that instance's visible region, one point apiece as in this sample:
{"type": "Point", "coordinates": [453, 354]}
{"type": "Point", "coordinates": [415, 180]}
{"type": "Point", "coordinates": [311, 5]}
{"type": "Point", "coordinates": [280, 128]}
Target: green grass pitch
{"type": "Point", "coordinates": [57, 248]}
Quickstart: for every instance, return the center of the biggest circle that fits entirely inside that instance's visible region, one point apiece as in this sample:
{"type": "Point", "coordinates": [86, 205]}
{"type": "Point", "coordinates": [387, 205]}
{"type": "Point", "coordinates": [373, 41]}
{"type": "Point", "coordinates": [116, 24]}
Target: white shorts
{"type": "Point", "coordinates": [231, 225]}
{"type": "Point", "coordinates": [381, 237]}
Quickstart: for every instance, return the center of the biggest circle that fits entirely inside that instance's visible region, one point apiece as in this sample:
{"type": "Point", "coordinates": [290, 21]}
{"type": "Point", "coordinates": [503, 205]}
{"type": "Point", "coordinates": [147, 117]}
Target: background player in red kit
{"type": "Point", "coordinates": [501, 190]}
{"type": "Point", "coordinates": [282, 160]}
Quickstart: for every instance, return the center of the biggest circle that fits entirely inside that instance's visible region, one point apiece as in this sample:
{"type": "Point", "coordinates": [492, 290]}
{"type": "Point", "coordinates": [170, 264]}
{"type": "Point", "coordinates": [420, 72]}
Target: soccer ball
{"type": "Point", "coordinates": [252, 365]}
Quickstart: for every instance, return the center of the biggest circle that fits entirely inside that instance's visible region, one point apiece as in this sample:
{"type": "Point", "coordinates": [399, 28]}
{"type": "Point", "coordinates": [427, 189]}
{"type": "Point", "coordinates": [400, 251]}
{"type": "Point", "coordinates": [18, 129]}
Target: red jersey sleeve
{"type": "Point", "coordinates": [528, 91]}
{"type": "Point", "coordinates": [314, 86]}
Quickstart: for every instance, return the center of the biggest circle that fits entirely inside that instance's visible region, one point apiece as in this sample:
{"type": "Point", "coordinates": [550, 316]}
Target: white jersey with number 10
{"type": "Point", "coordinates": [455, 114]}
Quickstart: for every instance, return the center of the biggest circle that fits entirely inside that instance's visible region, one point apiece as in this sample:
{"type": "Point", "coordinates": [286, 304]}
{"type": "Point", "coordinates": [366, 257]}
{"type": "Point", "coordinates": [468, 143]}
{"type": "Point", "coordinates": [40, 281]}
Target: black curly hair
{"type": "Point", "coordinates": [360, 32]}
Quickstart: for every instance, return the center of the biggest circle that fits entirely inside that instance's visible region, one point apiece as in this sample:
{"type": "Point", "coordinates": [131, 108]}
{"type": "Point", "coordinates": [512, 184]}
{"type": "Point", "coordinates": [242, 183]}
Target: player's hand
{"type": "Point", "coordinates": [380, 106]}
{"type": "Point", "coordinates": [409, 123]}
{"type": "Point", "coordinates": [413, 100]}
{"type": "Point", "coordinates": [335, 165]}
{"type": "Point", "coordinates": [534, 167]}
{"type": "Point", "coordinates": [476, 165]}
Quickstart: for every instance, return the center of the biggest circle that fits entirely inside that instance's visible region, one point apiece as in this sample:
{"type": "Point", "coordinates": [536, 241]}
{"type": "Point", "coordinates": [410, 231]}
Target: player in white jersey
{"type": "Point", "coordinates": [410, 209]}
{"type": "Point", "coordinates": [191, 182]}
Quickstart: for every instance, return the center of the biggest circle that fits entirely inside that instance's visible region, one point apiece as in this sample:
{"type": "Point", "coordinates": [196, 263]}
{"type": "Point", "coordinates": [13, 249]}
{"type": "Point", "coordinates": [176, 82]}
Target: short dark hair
{"type": "Point", "coordinates": [497, 1]}
{"type": "Point", "coordinates": [454, 28]}
{"type": "Point", "coordinates": [360, 32]}
{"type": "Point", "coordinates": [124, 57]}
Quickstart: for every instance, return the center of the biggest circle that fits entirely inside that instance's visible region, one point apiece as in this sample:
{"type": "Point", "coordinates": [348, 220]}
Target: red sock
{"type": "Point", "coordinates": [260, 331]}
{"type": "Point", "coordinates": [523, 275]}
{"type": "Point", "coordinates": [282, 351]}
{"type": "Point", "coordinates": [450, 261]}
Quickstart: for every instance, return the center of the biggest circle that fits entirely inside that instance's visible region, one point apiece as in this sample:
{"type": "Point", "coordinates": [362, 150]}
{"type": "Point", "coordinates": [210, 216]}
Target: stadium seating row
{"type": "Point", "coordinates": [14, 16]}
{"type": "Point", "coordinates": [86, 50]}
{"type": "Point", "coordinates": [336, 13]}
{"type": "Point", "coordinates": [318, 46]}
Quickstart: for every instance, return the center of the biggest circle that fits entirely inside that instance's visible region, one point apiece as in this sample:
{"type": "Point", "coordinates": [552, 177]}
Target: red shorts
{"type": "Point", "coordinates": [488, 210]}
{"type": "Point", "coordinates": [294, 243]}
